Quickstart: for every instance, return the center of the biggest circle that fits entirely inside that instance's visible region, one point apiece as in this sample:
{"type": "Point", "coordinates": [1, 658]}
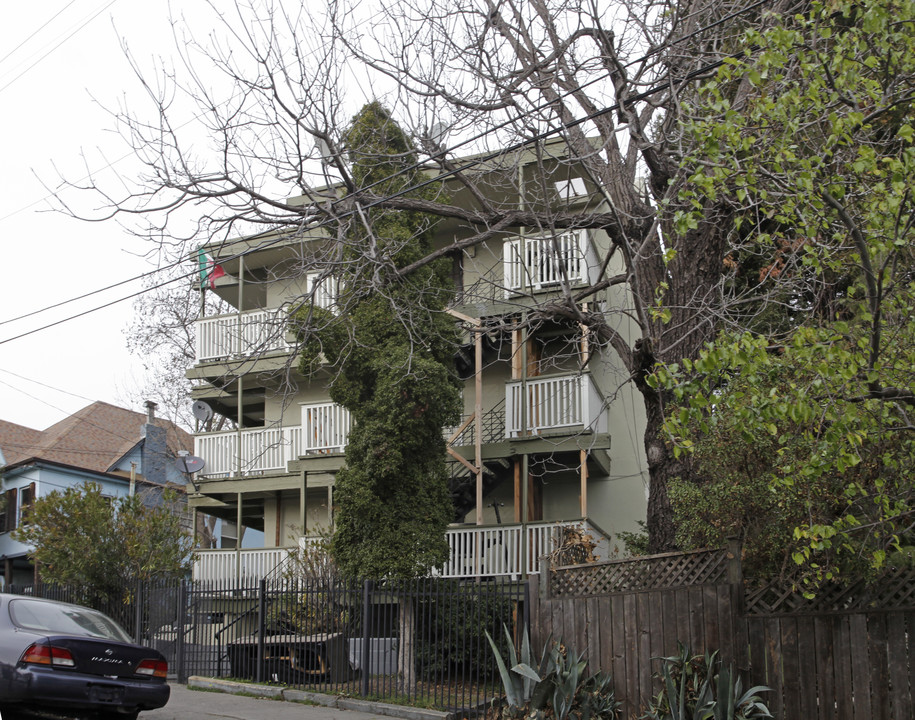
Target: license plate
{"type": "Point", "coordinates": [106, 694]}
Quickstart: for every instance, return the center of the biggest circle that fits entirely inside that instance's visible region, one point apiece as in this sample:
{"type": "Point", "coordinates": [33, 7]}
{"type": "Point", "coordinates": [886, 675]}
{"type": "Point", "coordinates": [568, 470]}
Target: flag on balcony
{"type": "Point", "coordinates": [209, 270]}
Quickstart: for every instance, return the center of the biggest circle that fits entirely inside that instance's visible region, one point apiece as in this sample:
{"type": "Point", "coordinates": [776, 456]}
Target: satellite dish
{"type": "Point", "coordinates": [202, 411]}
{"type": "Point", "coordinates": [189, 464]}
{"type": "Point", "coordinates": [323, 150]}
{"type": "Point", "coordinates": [437, 133]}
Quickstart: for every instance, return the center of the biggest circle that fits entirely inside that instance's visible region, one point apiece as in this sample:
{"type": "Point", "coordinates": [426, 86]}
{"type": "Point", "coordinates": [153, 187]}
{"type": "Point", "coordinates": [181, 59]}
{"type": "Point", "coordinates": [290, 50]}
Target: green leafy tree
{"type": "Point", "coordinates": [81, 537]}
{"type": "Point", "coordinates": [802, 423]}
{"type": "Point", "coordinates": [391, 348]}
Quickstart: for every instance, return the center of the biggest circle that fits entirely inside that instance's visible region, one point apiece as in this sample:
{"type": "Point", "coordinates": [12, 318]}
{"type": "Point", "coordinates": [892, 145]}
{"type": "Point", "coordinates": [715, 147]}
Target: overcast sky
{"type": "Point", "coordinates": [61, 59]}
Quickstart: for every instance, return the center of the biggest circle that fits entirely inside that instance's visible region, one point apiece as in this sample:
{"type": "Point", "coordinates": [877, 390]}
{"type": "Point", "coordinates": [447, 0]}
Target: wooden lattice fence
{"type": "Point", "coordinates": [845, 654]}
{"type": "Point", "coordinates": [701, 567]}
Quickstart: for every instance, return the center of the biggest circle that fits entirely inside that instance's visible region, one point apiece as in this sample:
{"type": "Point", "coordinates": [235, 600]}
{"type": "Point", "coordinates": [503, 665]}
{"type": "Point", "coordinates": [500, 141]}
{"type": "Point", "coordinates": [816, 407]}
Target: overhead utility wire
{"type": "Point", "coordinates": [89, 20]}
{"type": "Point", "coordinates": [38, 30]}
{"type": "Point", "coordinates": [450, 173]}
{"type": "Point", "coordinates": [135, 278]}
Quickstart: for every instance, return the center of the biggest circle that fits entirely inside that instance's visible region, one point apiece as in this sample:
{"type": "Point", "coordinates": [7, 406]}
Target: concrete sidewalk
{"type": "Point", "coordinates": [209, 699]}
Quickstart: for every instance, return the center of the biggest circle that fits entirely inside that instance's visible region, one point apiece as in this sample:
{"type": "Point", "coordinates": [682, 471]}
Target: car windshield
{"type": "Point", "coordinates": [64, 620]}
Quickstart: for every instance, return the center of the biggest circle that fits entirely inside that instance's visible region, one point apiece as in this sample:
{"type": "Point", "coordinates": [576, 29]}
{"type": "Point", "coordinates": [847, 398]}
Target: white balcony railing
{"type": "Point", "coordinates": [247, 566]}
{"type": "Point", "coordinates": [509, 549]}
{"type": "Point", "coordinates": [262, 450]}
{"type": "Point", "coordinates": [324, 429]}
{"type": "Point", "coordinates": [250, 333]}
{"type": "Point", "coordinates": [532, 264]}
{"type": "Point", "coordinates": [553, 403]}
{"type": "Point", "coordinates": [254, 332]}
{"type": "Point", "coordinates": [562, 402]}
{"type": "Point", "coordinates": [500, 550]}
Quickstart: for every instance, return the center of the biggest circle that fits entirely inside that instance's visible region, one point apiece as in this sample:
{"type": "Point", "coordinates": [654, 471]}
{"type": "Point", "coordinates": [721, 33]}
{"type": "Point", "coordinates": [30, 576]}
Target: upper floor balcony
{"type": "Point", "coordinates": [254, 451]}
{"type": "Point", "coordinates": [252, 333]}
{"type": "Point", "coordinates": [543, 262]}
{"type": "Point", "coordinates": [245, 334]}
{"type": "Point", "coordinates": [550, 404]}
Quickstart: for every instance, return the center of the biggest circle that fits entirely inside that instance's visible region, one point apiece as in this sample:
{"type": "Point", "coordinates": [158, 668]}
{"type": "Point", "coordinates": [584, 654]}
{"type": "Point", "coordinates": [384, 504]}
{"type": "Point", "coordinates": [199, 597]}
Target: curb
{"type": "Point", "coordinates": [332, 701]}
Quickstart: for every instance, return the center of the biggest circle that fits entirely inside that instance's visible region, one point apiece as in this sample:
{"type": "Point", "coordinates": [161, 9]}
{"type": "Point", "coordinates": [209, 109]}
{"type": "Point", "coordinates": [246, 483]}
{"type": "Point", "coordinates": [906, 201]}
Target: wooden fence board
{"type": "Point", "coordinates": [900, 691]}
{"type": "Point", "coordinates": [643, 627]}
{"type": "Point", "coordinates": [860, 669]}
{"type": "Point", "coordinates": [789, 669]}
{"type": "Point", "coordinates": [711, 626]}
{"type": "Point", "coordinates": [825, 669]}
{"type": "Point", "coordinates": [631, 643]}
{"type": "Point", "coordinates": [671, 624]}
{"type": "Point", "coordinates": [659, 629]}
{"type": "Point", "coordinates": [842, 644]}
{"type": "Point", "coordinates": [591, 644]}
{"type": "Point", "coordinates": [696, 619]}
{"type": "Point", "coordinates": [875, 628]}
{"type": "Point", "coordinates": [806, 662]}
{"type": "Point", "coordinates": [772, 633]}
{"type": "Point", "coordinates": [604, 627]}
{"type": "Point", "coordinates": [618, 627]}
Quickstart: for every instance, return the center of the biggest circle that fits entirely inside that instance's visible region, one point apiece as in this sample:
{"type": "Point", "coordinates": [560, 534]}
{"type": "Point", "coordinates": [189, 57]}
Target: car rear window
{"type": "Point", "coordinates": [64, 620]}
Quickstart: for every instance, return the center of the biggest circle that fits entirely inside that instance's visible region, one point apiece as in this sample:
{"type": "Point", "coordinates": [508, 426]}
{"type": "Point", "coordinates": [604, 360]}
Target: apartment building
{"type": "Point", "coordinates": [552, 431]}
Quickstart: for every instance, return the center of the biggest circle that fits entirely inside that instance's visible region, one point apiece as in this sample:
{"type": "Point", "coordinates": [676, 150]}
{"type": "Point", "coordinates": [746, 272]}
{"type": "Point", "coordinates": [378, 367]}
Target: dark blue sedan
{"type": "Point", "coordinates": [56, 656]}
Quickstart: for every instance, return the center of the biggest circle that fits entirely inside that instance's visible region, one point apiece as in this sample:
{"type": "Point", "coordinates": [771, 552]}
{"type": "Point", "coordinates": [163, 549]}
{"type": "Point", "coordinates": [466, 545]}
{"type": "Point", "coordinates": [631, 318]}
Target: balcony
{"type": "Point", "coordinates": [255, 332]}
{"type": "Point", "coordinates": [250, 333]}
{"type": "Point", "coordinates": [537, 264]}
{"type": "Point", "coordinates": [324, 429]}
{"type": "Point", "coordinates": [555, 403]}
{"type": "Point", "coordinates": [479, 551]}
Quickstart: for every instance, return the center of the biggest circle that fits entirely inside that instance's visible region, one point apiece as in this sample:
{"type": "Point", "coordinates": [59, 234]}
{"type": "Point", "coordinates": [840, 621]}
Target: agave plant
{"type": "Point", "coordinates": [693, 688]}
{"type": "Point", "coordinates": [519, 678]}
{"type": "Point", "coordinates": [557, 683]}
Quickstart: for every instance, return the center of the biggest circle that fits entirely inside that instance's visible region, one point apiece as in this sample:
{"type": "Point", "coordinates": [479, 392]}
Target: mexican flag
{"type": "Point", "coordinates": [209, 270]}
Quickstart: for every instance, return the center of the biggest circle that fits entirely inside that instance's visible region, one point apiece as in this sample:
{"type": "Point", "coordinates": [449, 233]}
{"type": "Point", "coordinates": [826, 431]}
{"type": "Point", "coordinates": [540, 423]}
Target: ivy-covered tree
{"type": "Point", "coordinates": [391, 350]}
{"type": "Point", "coordinates": [81, 537]}
{"type": "Point", "coordinates": [808, 138]}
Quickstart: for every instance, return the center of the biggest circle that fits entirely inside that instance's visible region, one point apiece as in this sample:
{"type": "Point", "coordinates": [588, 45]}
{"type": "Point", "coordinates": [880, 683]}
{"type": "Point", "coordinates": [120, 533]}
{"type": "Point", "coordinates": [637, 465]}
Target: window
{"type": "Point", "coordinates": [26, 500]}
{"type": "Point", "coordinates": [8, 516]}
{"type": "Point", "coordinates": [573, 187]}
{"type": "Point", "coordinates": [17, 503]}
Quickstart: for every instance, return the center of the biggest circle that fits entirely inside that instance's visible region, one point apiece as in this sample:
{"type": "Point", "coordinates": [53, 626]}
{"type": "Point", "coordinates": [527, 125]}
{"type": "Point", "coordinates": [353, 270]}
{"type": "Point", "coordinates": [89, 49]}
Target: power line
{"type": "Point", "coordinates": [48, 53]}
{"type": "Point", "coordinates": [38, 30]}
{"type": "Point", "coordinates": [38, 382]}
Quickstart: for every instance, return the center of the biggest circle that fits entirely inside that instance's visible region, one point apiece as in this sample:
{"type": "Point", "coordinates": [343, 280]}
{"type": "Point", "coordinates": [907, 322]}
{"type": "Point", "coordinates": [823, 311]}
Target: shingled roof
{"type": "Point", "coordinates": [93, 438]}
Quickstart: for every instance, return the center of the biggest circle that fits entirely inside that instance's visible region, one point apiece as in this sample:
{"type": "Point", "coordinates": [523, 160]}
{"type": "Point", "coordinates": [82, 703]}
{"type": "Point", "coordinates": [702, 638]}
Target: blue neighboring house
{"type": "Point", "coordinates": [122, 450]}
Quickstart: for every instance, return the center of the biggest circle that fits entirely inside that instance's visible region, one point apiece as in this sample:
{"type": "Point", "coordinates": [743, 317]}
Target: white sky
{"type": "Point", "coordinates": [47, 86]}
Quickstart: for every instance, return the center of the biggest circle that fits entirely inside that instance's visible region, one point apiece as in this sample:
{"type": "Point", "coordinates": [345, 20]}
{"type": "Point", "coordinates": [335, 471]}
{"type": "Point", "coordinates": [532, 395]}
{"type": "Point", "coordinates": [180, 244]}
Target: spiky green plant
{"type": "Point", "coordinates": [694, 688]}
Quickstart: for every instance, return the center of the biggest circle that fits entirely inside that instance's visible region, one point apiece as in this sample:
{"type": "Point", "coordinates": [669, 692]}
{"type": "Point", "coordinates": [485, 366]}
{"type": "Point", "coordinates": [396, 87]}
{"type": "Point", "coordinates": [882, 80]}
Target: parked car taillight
{"type": "Point", "coordinates": [152, 668]}
{"type": "Point", "coordinates": [39, 654]}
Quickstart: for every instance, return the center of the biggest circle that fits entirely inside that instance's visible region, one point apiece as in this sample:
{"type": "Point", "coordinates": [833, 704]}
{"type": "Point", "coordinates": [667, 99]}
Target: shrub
{"type": "Point", "coordinates": [445, 622]}
{"type": "Point", "coordinates": [557, 686]}
{"type": "Point", "coordinates": [694, 687]}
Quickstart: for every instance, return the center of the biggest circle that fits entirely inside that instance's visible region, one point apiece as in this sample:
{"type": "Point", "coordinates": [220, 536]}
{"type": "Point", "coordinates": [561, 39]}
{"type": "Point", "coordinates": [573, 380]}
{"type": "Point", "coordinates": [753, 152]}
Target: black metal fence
{"type": "Point", "coordinates": [418, 641]}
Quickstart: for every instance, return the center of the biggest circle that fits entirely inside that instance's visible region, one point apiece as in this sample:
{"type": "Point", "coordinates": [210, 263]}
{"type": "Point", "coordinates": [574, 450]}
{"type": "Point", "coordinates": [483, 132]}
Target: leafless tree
{"type": "Point", "coordinates": [511, 81]}
{"type": "Point", "coordinates": [162, 336]}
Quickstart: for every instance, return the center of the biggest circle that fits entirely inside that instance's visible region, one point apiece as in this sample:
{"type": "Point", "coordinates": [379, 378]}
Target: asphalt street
{"type": "Point", "coordinates": [186, 704]}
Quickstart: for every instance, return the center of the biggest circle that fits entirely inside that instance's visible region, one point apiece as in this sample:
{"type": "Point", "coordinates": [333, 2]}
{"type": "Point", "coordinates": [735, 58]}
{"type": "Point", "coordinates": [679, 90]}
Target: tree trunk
{"type": "Point", "coordinates": [406, 673]}
{"type": "Point", "coordinates": [663, 466]}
